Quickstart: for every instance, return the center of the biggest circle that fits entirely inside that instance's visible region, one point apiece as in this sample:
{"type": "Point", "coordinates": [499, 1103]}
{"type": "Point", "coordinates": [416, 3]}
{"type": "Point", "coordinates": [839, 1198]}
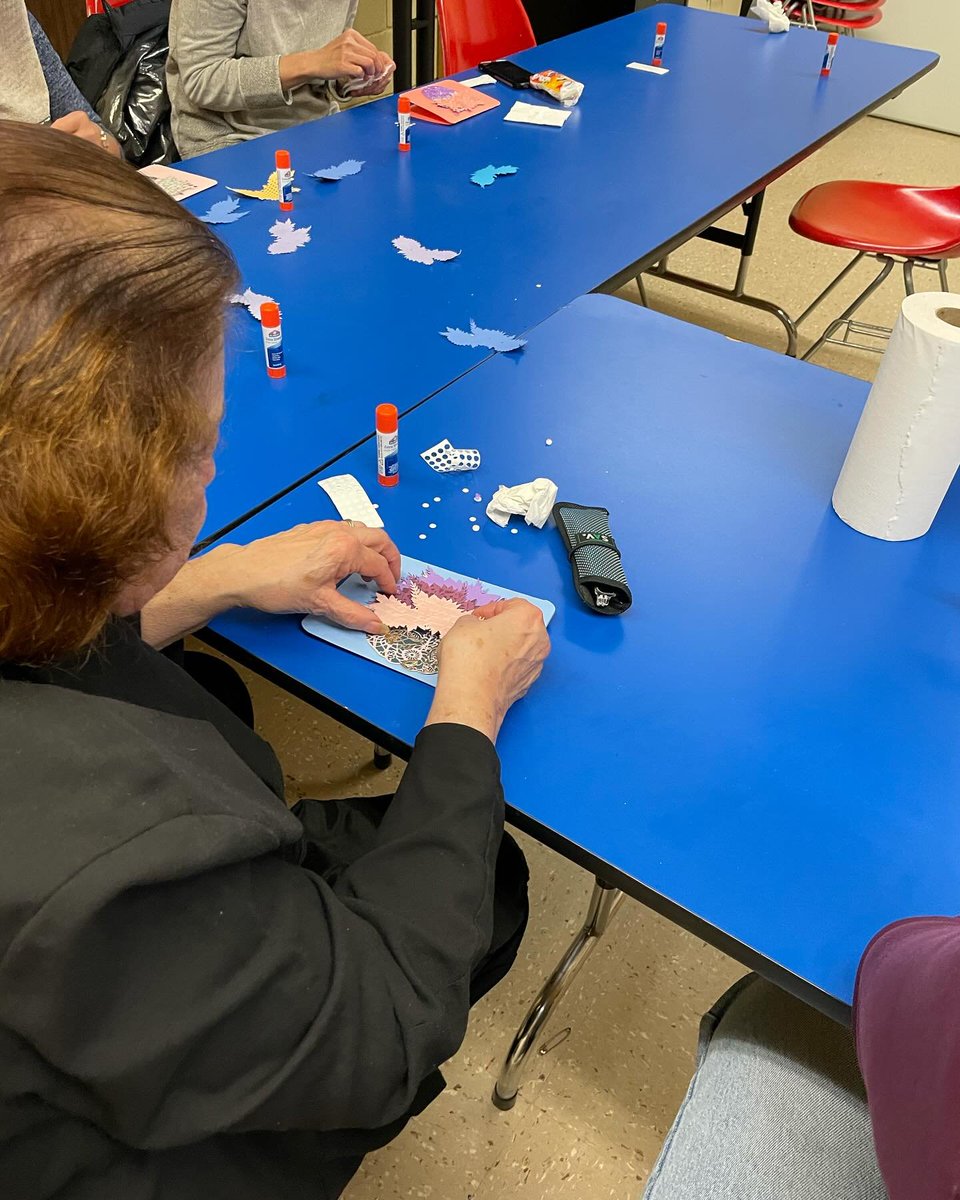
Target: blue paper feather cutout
{"type": "Point", "coordinates": [224, 212]}
{"type": "Point", "coordinates": [491, 339]}
{"type": "Point", "coordinates": [486, 175]}
{"type": "Point", "coordinates": [352, 166]}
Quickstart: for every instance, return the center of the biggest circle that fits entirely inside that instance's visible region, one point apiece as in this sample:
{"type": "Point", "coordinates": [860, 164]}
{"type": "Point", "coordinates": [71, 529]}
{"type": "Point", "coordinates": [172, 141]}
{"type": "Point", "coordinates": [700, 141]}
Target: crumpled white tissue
{"type": "Point", "coordinates": [772, 12]}
{"type": "Point", "coordinates": [533, 501]}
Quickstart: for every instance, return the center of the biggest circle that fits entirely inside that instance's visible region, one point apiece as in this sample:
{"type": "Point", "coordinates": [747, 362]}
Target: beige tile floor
{"type": "Point", "coordinates": [590, 1120]}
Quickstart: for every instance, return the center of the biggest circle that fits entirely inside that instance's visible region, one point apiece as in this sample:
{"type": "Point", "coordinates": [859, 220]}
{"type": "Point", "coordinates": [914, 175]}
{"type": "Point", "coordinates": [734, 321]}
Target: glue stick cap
{"type": "Point", "coordinates": [386, 418]}
{"type": "Point", "coordinates": [661, 27]}
{"type": "Point", "coordinates": [403, 104]}
{"type": "Point", "coordinates": [833, 38]}
{"type": "Point", "coordinates": [270, 314]}
{"type": "Point", "coordinates": [282, 159]}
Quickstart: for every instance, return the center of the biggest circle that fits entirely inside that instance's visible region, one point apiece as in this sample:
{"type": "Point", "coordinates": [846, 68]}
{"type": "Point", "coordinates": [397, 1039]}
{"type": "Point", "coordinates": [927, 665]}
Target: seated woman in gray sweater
{"type": "Point", "coordinates": [241, 68]}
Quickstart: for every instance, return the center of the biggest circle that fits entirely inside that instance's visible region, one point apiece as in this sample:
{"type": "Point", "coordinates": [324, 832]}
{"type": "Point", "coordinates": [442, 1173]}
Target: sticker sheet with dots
{"type": "Point", "coordinates": [444, 458]}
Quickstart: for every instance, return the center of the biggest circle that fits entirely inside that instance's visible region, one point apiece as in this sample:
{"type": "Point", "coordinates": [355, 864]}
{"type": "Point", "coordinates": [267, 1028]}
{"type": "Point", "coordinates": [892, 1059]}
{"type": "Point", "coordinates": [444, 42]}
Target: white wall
{"type": "Point", "coordinates": [933, 101]}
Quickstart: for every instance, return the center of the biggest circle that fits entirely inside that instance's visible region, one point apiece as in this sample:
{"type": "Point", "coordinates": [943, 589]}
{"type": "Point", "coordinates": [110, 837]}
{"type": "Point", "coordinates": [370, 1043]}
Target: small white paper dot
{"type": "Point", "coordinates": [436, 499]}
{"type": "Point", "coordinates": [538, 285]}
{"type": "Point", "coordinates": [549, 441]}
{"type": "Point", "coordinates": [376, 506]}
{"type": "Point", "coordinates": [472, 517]}
{"type": "Point", "coordinates": [476, 528]}
{"type": "Point", "coordinates": [425, 504]}
{"type": "Point", "coordinates": [465, 491]}
{"type": "Point", "coordinates": [423, 537]}
{"type": "Point", "coordinates": [477, 498]}
{"type": "Point", "coordinates": [432, 525]}
{"type": "Point", "coordinates": [514, 530]}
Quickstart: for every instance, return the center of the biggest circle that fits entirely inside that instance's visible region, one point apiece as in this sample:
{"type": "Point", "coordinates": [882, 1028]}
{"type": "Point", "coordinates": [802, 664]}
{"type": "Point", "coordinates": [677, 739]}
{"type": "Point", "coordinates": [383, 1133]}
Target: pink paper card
{"type": "Point", "coordinates": [447, 102]}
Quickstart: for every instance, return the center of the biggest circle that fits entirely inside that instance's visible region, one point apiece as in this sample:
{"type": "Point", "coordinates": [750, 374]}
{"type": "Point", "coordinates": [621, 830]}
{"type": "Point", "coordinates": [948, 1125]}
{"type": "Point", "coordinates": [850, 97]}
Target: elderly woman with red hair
{"type": "Point", "coordinates": [202, 993]}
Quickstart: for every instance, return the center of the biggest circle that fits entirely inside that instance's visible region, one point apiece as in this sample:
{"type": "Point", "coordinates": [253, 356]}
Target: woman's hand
{"type": "Point", "coordinates": [78, 124]}
{"type": "Point", "coordinates": [487, 662]}
{"type": "Point", "coordinates": [298, 571]}
{"type": "Point", "coordinates": [292, 572]}
{"type": "Point", "coordinates": [349, 56]}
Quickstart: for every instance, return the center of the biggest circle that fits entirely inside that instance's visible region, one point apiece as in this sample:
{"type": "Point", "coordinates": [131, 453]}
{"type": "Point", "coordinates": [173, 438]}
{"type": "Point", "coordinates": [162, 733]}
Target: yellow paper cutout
{"type": "Point", "coordinates": [269, 191]}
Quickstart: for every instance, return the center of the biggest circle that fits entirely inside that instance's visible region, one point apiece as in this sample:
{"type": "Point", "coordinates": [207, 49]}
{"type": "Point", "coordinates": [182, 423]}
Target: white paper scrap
{"type": "Point", "coordinates": [536, 114]}
{"type": "Point", "coordinates": [478, 81]}
{"type": "Point", "coordinates": [350, 500]}
{"type": "Point", "coordinates": [533, 501]}
{"type": "Point", "coordinates": [649, 69]}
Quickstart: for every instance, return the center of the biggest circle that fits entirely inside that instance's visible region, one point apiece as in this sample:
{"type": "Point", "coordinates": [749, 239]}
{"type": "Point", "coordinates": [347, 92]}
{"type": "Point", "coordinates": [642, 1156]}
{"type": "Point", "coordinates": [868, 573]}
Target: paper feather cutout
{"type": "Point", "coordinates": [491, 339]}
{"type": "Point", "coordinates": [269, 191]}
{"type": "Point", "coordinates": [486, 175]}
{"type": "Point", "coordinates": [251, 301]}
{"type": "Point", "coordinates": [224, 212]}
{"type": "Point", "coordinates": [352, 166]}
{"type": "Point", "coordinates": [288, 237]}
{"type": "Point", "coordinates": [413, 250]}
{"type": "Point", "coordinates": [423, 611]}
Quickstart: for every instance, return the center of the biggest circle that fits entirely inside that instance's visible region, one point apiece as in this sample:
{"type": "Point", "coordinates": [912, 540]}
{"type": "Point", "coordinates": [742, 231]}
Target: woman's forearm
{"type": "Point", "coordinates": [200, 591]}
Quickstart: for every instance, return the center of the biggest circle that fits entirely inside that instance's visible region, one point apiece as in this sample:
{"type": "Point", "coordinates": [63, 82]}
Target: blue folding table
{"type": "Point", "coordinates": [764, 748]}
{"type": "Point", "coordinates": [644, 163]}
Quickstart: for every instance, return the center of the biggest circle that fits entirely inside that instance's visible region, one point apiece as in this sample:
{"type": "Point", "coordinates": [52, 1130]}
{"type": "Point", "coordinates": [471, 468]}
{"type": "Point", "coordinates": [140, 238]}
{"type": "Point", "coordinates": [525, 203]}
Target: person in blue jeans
{"type": "Point", "coordinates": [36, 87]}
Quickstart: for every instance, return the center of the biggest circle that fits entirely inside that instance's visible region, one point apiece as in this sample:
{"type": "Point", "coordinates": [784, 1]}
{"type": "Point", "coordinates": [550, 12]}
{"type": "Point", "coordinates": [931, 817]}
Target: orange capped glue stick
{"type": "Point", "coordinates": [404, 121]}
{"type": "Point", "coordinates": [832, 39]}
{"type": "Point", "coordinates": [388, 458]}
{"type": "Point", "coordinates": [658, 42]}
{"type": "Point", "coordinates": [284, 180]}
{"type": "Point", "coordinates": [272, 339]}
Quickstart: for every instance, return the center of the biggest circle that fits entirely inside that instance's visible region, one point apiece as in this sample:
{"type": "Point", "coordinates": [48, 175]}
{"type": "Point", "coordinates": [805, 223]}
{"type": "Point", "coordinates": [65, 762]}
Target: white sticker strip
{"type": "Point", "coordinates": [445, 458]}
{"type": "Point", "coordinates": [650, 69]}
{"type": "Point", "coordinates": [478, 81]}
{"type": "Point", "coordinates": [351, 501]}
{"type": "Point", "coordinates": [536, 114]}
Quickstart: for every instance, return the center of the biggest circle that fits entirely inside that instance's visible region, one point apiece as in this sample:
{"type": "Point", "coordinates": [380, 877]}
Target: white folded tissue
{"type": "Point", "coordinates": [772, 12]}
{"type": "Point", "coordinates": [533, 501]}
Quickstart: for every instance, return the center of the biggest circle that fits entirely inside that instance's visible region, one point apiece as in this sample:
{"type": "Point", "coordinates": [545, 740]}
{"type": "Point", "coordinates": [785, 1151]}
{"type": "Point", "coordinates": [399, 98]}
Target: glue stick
{"type": "Point", "coordinates": [403, 120]}
{"type": "Point", "coordinates": [832, 39]}
{"type": "Point", "coordinates": [658, 43]}
{"type": "Point", "coordinates": [388, 459]}
{"type": "Point", "coordinates": [284, 180]}
{"type": "Point", "coordinates": [272, 339]}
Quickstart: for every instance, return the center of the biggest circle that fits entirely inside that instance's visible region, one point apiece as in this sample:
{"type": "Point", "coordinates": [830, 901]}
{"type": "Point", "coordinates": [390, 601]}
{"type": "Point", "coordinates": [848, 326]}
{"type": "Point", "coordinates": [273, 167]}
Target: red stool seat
{"type": "Point", "coordinates": [881, 218]}
{"type": "Point", "coordinates": [853, 23]}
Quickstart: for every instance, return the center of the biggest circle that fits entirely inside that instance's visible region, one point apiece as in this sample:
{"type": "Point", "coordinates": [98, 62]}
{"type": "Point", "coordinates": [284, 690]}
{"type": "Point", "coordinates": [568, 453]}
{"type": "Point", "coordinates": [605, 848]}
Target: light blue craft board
{"type": "Point", "coordinates": [354, 588]}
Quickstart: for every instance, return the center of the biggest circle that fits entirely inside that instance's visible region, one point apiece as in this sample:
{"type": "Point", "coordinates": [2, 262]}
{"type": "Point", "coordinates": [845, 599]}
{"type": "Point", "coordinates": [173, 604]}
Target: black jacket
{"type": "Point", "coordinates": [186, 1011]}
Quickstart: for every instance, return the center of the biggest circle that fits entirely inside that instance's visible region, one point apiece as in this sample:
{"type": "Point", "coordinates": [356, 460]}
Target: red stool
{"type": "Point", "coordinates": [889, 222]}
{"type": "Point", "coordinates": [474, 31]}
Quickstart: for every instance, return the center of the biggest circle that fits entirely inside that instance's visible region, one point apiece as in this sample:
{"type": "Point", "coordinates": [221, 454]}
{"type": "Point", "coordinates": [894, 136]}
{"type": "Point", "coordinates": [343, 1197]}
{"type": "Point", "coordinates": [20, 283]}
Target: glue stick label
{"type": "Point", "coordinates": [388, 457]}
{"type": "Point", "coordinates": [285, 184]}
{"type": "Point", "coordinates": [273, 348]}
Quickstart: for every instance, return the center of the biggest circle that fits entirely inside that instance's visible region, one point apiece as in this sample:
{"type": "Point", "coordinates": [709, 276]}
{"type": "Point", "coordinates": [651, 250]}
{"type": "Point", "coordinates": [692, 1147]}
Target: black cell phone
{"type": "Point", "coordinates": [505, 71]}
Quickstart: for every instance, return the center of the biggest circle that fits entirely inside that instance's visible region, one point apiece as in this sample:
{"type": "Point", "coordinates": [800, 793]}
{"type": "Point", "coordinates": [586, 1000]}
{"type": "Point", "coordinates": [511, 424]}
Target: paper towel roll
{"type": "Point", "coordinates": [906, 448]}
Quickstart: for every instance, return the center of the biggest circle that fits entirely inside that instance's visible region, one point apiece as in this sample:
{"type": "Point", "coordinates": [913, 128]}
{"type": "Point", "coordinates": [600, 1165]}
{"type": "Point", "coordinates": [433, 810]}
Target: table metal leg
{"type": "Point", "coordinates": [604, 902]}
{"type": "Point", "coordinates": [744, 242]}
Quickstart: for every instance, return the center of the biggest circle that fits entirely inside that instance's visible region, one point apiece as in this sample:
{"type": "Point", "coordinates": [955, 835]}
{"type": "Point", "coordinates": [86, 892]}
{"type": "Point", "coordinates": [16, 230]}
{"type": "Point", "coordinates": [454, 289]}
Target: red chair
{"type": "Point", "coordinates": [474, 31]}
{"type": "Point", "coordinates": [918, 227]}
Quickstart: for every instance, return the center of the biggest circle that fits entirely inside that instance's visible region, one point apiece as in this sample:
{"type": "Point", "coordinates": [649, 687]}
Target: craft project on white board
{"type": "Point", "coordinates": [428, 603]}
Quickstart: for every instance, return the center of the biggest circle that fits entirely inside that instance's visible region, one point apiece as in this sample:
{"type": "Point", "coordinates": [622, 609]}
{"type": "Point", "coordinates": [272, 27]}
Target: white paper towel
{"type": "Point", "coordinates": [906, 448]}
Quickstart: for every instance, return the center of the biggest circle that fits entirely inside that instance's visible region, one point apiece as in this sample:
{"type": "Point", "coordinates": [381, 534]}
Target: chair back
{"type": "Point", "coordinates": [474, 31]}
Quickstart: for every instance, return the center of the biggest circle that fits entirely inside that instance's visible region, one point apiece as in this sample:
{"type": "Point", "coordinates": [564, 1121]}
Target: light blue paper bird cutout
{"type": "Point", "coordinates": [352, 166]}
{"type": "Point", "coordinates": [486, 175]}
{"type": "Point", "coordinates": [491, 339]}
{"type": "Point", "coordinates": [224, 212]}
